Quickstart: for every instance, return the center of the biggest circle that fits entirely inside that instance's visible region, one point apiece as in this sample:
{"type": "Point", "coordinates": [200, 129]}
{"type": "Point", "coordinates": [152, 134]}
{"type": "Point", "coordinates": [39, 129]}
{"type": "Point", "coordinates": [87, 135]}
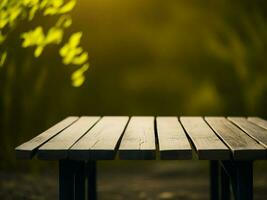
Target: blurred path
{"type": "Point", "coordinates": [130, 180]}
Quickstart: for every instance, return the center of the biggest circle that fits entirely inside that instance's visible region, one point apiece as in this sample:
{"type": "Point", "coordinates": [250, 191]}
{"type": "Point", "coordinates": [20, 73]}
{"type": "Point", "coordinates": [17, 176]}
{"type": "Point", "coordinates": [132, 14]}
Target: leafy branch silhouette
{"type": "Point", "coordinates": [14, 11]}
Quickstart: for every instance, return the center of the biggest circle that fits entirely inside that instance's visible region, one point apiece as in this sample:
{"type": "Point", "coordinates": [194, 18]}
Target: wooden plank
{"type": "Point", "coordinates": [206, 142]}
{"type": "Point", "coordinates": [254, 131]}
{"type": "Point", "coordinates": [173, 143]}
{"type": "Point", "coordinates": [258, 121]}
{"type": "Point", "coordinates": [138, 141]}
{"type": "Point", "coordinates": [101, 141]}
{"type": "Point", "coordinates": [242, 146]}
{"type": "Point", "coordinates": [57, 147]}
{"type": "Point", "coordinates": [28, 149]}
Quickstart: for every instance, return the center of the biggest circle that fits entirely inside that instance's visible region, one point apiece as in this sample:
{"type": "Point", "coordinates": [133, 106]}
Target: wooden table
{"type": "Point", "coordinates": [230, 144]}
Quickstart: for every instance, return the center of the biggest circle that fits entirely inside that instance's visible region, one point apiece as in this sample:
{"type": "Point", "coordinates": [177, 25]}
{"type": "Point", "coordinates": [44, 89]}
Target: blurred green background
{"type": "Point", "coordinates": [147, 58]}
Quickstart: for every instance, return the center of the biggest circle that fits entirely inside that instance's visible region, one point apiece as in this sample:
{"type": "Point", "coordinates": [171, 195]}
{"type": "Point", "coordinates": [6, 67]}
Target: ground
{"type": "Point", "coordinates": [185, 180]}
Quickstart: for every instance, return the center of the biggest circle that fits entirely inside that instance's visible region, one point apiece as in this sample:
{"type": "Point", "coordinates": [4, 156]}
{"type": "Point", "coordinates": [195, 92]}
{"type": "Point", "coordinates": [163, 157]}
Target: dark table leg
{"type": "Point", "coordinates": [214, 180]}
{"type": "Point", "coordinates": [241, 176]}
{"type": "Point", "coordinates": [79, 180]}
{"type": "Point", "coordinates": [243, 181]}
{"type": "Point", "coordinates": [66, 180]}
{"type": "Point", "coordinates": [224, 184]}
{"type": "Point", "coordinates": [90, 173]}
{"type": "Point", "coordinates": [71, 180]}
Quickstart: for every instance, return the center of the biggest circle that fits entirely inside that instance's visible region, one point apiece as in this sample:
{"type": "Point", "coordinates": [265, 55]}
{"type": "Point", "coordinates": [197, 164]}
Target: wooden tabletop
{"type": "Point", "coordinates": [150, 138]}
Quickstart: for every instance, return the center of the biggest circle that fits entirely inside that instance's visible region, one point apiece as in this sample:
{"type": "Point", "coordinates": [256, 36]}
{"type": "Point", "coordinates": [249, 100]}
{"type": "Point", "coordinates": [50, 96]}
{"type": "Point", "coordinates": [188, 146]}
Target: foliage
{"type": "Point", "coordinates": [14, 12]}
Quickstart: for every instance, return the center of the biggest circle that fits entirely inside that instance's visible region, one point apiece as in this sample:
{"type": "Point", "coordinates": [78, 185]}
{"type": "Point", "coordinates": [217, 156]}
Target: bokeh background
{"type": "Point", "coordinates": [147, 58]}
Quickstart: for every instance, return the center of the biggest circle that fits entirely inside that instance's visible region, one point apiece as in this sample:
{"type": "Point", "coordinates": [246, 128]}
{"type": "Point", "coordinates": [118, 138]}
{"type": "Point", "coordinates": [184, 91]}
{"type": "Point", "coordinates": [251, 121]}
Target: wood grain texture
{"type": "Point", "coordinates": [242, 146]}
{"type": "Point", "coordinates": [173, 143]}
{"type": "Point", "coordinates": [253, 130]}
{"type": "Point", "coordinates": [138, 141]}
{"type": "Point", "coordinates": [101, 141]}
{"type": "Point", "coordinates": [258, 121]}
{"type": "Point", "coordinates": [57, 147]}
{"type": "Point", "coordinates": [206, 142]}
{"type": "Point", "coordinates": [28, 149]}
{"type": "Point", "coordinates": [92, 138]}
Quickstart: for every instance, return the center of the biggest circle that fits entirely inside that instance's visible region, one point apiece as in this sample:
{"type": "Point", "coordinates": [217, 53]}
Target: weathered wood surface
{"type": "Point", "coordinates": [142, 138]}
{"type": "Point", "coordinates": [138, 141]}
{"type": "Point", "coordinates": [255, 131]}
{"type": "Point", "coordinates": [27, 149]}
{"type": "Point", "coordinates": [173, 143]}
{"type": "Point", "coordinates": [206, 142]}
{"type": "Point", "coordinates": [241, 145]}
{"type": "Point", "coordinates": [101, 141]}
{"type": "Point", "coordinates": [258, 121]}
{"type": "Point", "coordinates": [58, 146]}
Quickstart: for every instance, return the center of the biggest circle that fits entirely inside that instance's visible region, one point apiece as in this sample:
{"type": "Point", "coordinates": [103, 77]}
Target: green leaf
{"type": "Point", "coordinates": [57, 7]}
{"type": "Point", "coordinates": [37, 38]}
{"type": "Point", "coordinates": [2, 37]}
{"type": "Point", "coordinates": [38, 51]}
{"type": "Point", "coordinates": [64, 50]}
{"type": "Point", "coordinates": [78, 77]}
{"type": "Point", "coordinates": [44, 3]}
{"type": "Point", "coordinates": [14, 13]}
{"type": "Point", "coordinates": [32, 12]}
{"type": "Point", "coordinates": [75, 39]}
{"type": "Point", "coordinates": [54, 35]}
{"type": "Point", "coordinates": [34, 37]}
{"type": "Point", "coordinates": [57, 3]}
{"type": "Point", "coordinates": [71, 45]}
{"type": "Point", "coordinates": [50, 11]}
{"type": "Point", "coordinates": [3, 59]}
{"type": "Point", "coordinates": [80, 59]}
{"type": "Point", "coordinates": [64, 21]}
{"type": "Point", "coordinates": [67, 23]}
{"type": "Point", "coordinates": [3, 18]}
{"type": "Point", "coordinates": [68, 6]}
{"type": "Point", "coordinates": [78, 82]}
{"type": "Point", "coordinates": [68, 58]}
{"type": "Point", "coordinates": [70, 52]}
